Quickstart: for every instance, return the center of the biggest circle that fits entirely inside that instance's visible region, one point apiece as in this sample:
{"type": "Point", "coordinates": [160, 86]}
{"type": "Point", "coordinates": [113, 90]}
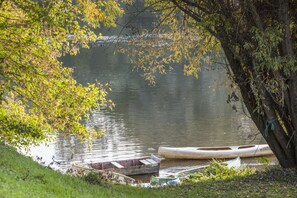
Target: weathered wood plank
{"type": "Point", "coordinates": [117, 165]}
{"type": "Point", "coordinates": [155, 158]}
{"type": "Point", "coordinates": [152, 161]}
{"type": "Point", "coordinates": [145, 162]}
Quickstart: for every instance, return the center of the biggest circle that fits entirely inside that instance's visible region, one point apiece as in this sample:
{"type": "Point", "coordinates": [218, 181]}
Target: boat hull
{"type": "Point", "coordinates": [138, 166]}
{"type": "Point", "coordinates": [214, 152]}
{"type": "Point", "coordinates": [140, 170]}
{"type": "Point", "coordinates": [114, 177]}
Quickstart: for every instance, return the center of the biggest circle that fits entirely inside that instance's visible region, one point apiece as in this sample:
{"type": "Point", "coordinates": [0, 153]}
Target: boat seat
{"type": "Point", "coordinates": [145, 162]}
{"type": "Point", "coordinates": [152, 161]}
{"type": "Point", "coordinates": [117, 165]}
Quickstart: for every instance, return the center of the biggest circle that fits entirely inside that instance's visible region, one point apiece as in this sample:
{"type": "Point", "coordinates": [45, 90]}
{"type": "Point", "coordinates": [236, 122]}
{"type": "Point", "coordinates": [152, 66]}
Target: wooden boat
{"type": "Point", "coordinates": [109, 176]}
{"type": "Point", "coordinates": [214, 152]}
{"type": "Point", "coordinates": [138, 166]}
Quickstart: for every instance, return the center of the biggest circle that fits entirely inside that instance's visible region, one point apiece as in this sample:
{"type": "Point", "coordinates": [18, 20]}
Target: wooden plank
{"type": "Point", "coordinates": [152, 161]}
{"type": "Point", "coordinates": [155, 158]}
{"type": "Point", "coordinates": [117, 165]}
{"type": "Point", "coordinates": [145, 162]}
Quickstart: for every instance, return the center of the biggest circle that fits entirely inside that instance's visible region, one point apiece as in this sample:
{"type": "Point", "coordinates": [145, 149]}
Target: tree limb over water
{"type": "Point", "coordinates": [258, 39]}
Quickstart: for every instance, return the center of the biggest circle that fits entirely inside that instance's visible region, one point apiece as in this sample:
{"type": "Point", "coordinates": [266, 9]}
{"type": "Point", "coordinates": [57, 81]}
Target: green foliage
{"type": "Point", "coordinates": [38, 96]}
{"type": "Point", "coordinates": [265, 46]}
{"type": "Point", "coordinates": [265, 161]}
{"type": "Point", "coordinates": [218, 171]}
{"type": "Point", "coordinates": [177, 39]}
{"type": "Point", "coordinates": [93, 178]}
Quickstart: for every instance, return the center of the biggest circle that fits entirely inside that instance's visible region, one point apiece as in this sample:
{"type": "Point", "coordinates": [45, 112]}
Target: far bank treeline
{"type": "Point", "coordinates": [39, 96]}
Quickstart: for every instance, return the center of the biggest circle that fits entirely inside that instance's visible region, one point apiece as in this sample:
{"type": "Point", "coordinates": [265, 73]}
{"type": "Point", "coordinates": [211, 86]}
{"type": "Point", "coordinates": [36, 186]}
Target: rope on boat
{"type": "Point", "coordinates": [270, 126]}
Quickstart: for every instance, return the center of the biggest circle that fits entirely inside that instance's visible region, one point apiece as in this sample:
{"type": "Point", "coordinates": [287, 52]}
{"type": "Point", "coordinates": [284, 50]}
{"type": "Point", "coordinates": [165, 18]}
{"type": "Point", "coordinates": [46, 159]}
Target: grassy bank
{"type": "Point", "coordinates": [21, 177]}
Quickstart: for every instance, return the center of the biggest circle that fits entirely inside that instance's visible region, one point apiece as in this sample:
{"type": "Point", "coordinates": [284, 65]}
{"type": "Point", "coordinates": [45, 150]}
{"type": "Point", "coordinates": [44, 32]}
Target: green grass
{"type": "Point", "coordinates": [22, 177]}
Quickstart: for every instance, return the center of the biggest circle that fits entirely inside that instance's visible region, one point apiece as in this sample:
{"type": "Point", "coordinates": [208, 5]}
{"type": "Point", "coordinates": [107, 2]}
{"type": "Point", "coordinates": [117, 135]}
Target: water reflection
{"type": "Point", "coordinates": [179, 111]}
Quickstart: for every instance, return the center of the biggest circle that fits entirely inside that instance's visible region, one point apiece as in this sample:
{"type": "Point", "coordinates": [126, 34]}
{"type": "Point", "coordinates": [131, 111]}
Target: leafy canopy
{"type": "Point", "coordinates": [176, 38]}
{"type": "Point", "coordinates": [38, 96]}
{"type": "Point", "coordinates": [258, 39]}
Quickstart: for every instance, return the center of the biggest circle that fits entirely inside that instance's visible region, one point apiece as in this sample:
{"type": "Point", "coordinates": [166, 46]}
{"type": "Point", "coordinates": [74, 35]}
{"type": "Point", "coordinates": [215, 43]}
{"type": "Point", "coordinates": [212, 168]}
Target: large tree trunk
{"type": "Point", "coordinates": [288, 50]}
{"type": "Point", "coordinates": [277, 139]}
{"type": "Point", "coordinates": [235, 29]}
{"type": "Point", "coordinates": [283, 117]}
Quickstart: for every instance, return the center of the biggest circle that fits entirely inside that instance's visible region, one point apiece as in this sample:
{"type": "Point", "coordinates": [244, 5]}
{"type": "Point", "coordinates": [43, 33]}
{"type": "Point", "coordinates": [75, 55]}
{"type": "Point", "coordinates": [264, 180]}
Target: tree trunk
{"type": "Point", "coordinates": [277, 139]}
{"type": "Point", "coordinates": [233, 26]}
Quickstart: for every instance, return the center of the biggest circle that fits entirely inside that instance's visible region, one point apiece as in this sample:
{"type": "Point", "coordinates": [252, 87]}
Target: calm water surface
{"type": "Point", "coordinates": [178, 111]}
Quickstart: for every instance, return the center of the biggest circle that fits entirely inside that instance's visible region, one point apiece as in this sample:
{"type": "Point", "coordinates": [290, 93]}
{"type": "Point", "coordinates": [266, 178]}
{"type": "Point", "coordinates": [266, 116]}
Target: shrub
{"type": "Point", "coordinates": [218, 171]}
{"type": "Point", "coordinates": [93, 178]}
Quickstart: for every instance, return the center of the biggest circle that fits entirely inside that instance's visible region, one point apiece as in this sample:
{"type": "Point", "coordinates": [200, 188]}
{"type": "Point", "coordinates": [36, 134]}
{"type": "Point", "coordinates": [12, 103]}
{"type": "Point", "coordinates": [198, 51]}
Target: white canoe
{"type": "Point", "coordinates": [214, 152]}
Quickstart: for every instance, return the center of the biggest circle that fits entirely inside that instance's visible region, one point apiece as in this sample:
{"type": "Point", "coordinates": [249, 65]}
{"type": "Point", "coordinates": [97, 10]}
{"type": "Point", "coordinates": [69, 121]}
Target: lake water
{"type": "Point", "coordinates": [178, 111]}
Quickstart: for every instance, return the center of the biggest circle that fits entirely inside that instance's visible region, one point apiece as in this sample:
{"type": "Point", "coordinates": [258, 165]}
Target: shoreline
{"type": "Point", "coordinates": [20, 176]}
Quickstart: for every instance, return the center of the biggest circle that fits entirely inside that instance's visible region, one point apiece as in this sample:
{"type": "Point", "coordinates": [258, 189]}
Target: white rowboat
{"type": "Point", "coordinates": [214, 152]}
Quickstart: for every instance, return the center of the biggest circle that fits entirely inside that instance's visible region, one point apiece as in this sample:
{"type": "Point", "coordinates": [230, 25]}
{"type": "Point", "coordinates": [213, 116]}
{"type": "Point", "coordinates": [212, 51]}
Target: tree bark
{"type": "Point", "coordinates": [233, 30]}
{"type": "Point", "coordinates": [276, 139]}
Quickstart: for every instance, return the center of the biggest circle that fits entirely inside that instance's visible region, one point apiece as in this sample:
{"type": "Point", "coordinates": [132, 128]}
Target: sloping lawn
{"type": "Point", "coordinates": [22, 177]}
